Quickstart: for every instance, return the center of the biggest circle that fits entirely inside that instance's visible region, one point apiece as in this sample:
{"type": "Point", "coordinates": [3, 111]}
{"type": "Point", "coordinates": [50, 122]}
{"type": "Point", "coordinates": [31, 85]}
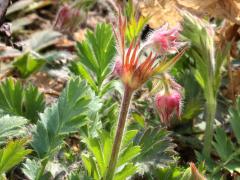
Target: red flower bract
{"type": "Point", "coordinates": [132, 71]}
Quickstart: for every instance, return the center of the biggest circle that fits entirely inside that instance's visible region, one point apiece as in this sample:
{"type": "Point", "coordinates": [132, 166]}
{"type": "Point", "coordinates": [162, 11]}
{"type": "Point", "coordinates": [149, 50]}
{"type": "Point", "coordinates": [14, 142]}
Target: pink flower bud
{"type": "Point", "coordinates": [68, 19]}
{"type": "Point", "coordinates": [118, 69]}
{"type": "Point", "coordinates": [168, 104]}
{"type": "Point", "coordinates": [163, 40]}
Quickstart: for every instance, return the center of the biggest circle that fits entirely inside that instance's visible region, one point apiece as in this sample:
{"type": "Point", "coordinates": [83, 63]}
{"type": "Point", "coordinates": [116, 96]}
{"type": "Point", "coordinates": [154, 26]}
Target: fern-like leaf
{"type": "Point", "coordinates": [97, 159]}
{"type": "Point", "coordinates": [11, 126]}
{"type": "Point", "coordinates": [157, 149]}
{"type": "Point", "coordinates": [28, 64]}
{"type": "Point", "coordinates": [235, 118]}
{"type": "Point", "coordinates": [12, 154]}
{"type": "Point", "coordinates": [64, 117]}
{"type": "Point", "coordinates": [20, 101]}
{"type": "Point", "coordinates": [96, 54]}
{"type": "Point", "coordinates": [31, 168]}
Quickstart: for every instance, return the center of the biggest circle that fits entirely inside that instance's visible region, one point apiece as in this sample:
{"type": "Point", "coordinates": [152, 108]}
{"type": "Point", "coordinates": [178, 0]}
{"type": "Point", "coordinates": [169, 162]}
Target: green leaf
{"type": "Point", "coordinates": [11, 126]}
{"type": "Point", "coordinates": [107, 143]}
{"type": "Point", "coordinates": [12, 154]}
{"type": "Point", "coordinates": [31, 168]}
{"type": "Point", "coordinates": [157, 149]}
{"type": "Point", "coordinates": [27, 64]}
{"type": "Point", "coordinates": [77, 176]}
{"type": "Point", "coordinates": [21, 101]}
{"type": "Point", "coordinates": [221, 58]}
{"type": "Point", "coordinates": [127, 171]}
{"type": "Point", "coordinates": [208, 62]}
{"type": "Point", "coordinates": [26, 6]}
{"type": "Point", "coordinates": [33, 103]}
{"type": "Point", "coordinates": [187, 175]}
{"type": "Point", "coordinates": [168, 173]}
{"type": "Point", "coordinates": [234, 119]}
{"type": "Point", "coordinates": [19, 23]}
{"type": "Point", "coordinates": [42, 39]}
{"type": "Point", "coordinates": [139, 119]}
{"type": "Point", "coordinates": [96, 52]}
{"type": "Point", "coordinates": [95, 147]}
{"type": "Point", "coordinates": [222, 144]}
{"type": "Point", "coordinates": [90, 165]}
{"type": "Point", "coordinates": [79, 69]}
{"type": "Point", "coordinates": [11, 95]}
{"type": "Point", "coordinates": [112, 85]}
{"type": "Point", "coordinates": [100, 149]}
{"type": "Point", "coordinates": [135, 25]}
{"type": "Point", "coordinates": [19, 5]}
{"type": "Point", "coordinates": [128, 137]}
{"type": "Point", "coordinates": [64, 117]}
{"type": "Point", "coordinates": [233, 166]}
{"type": "Point", "coordinates": [128, 154]}
{"type": "Point", "coordinates": [199, 79]}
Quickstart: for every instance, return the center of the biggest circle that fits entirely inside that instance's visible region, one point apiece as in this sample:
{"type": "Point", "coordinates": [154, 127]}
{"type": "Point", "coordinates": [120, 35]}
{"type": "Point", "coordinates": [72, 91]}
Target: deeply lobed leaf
{"type": "Point", "coordinates": [12, 154]}
{"type": "Point", "coordinates": [27, 64]}
{"type": "Point", "coordinates": [21, 101]}
{"type": "Point", "coordinates": [96, 54]}
{"type": "Point", "coordinates": [11, 126]}
{"type": "Point", "coordinates": [157, 149]}
{"type": "Point", "coordinates": [97, 159]}
{"type": "Point", "coordinates": [234, 119]}
{"type": "Point", "coordinates": [64, 117]}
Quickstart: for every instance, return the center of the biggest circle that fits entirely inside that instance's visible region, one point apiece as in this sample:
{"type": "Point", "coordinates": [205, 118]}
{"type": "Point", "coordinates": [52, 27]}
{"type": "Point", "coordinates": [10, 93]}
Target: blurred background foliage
{"type": "Point", "coordinates": [51, 133]}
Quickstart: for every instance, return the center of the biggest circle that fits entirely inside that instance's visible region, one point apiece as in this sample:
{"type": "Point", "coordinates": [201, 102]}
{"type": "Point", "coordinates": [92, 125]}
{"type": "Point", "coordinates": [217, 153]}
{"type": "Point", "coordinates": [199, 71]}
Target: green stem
{"type": "Point", "coordinates": [119, 133]}
{"type": "Point", "coordinates": [43, 166]}
{"type": "Point", "coordinates": [210, 116]}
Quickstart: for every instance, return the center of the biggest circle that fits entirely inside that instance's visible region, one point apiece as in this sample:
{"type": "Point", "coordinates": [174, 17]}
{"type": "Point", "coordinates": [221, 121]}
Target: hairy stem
{"type": "Point", "coordinates": [119, 133]}
{"type": "Point", "coordinates": [210, 116]}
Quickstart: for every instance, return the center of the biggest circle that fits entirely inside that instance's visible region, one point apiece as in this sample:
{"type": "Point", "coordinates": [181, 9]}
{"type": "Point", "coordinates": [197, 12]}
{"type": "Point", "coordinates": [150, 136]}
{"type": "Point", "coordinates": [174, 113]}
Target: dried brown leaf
{"type": "Point", "coordinates": [229, 9]}
{"type": "Point", "coordinates": [161, 11]}
{"type": "Point", "coordinates": [166, 11]}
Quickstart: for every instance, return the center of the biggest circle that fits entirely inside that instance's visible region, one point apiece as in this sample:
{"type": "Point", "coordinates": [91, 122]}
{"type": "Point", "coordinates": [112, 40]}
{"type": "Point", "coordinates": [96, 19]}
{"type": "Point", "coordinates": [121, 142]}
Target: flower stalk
{"type": "Point", "coordinates": [211, 106]}
{"type": "Point", "coordinates": [209, 63]}
{"type": "Point", "coordinates": [119, 133]}
{"type": "Point", "coordinates": [134, 70]}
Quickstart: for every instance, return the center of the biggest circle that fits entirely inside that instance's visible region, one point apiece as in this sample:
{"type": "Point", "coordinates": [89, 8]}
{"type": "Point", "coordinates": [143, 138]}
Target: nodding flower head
{"type": "Point", "coordinates": [168, 103]}
{"type": "Point", "coordinates": [68, 19]}
{"type": "Point", "coordinates": [164, 40]}
{"type": "Point", "coordinates": [133, 69]}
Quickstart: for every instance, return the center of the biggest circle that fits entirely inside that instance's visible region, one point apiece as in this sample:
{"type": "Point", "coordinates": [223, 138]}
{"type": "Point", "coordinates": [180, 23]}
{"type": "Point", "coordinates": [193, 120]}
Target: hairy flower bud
{"type": "Point", "coordinates": [117, 68]}
{"type": "Point", "coordinates": [68, 19]}
{"type": "Point", "coordinates": [168, 104]}
{"type": "Point", "coordinates": [164, 40]}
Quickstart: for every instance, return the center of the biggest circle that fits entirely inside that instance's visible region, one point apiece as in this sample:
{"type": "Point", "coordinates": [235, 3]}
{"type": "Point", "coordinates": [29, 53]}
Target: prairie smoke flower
{"type": "Point", "coordinates": [164, 40]}
{"type": "Point", "coordinates": [68, 19]}
{"type": "Point", "coordinates": [168, 103]}
{"type": "Point", "coordinates": [134, 70]}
